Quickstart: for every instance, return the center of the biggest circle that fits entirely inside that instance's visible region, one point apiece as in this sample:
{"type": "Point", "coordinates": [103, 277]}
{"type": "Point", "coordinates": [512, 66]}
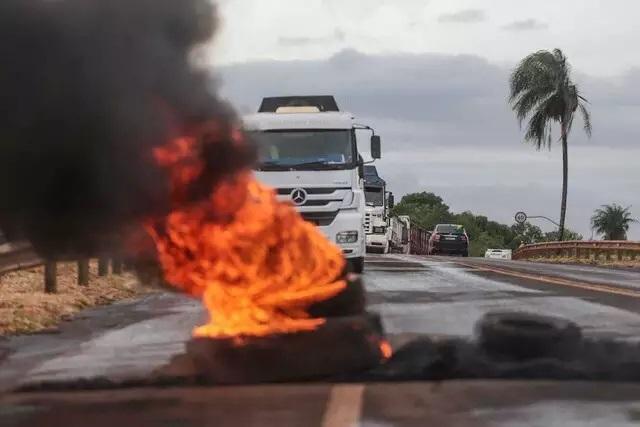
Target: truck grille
{"type": "Point", "coordinates": [321, 219]}
{"type": "Point", "coordinates": [368, 224]}
{"type": "Point", "coordinates": [287, 191]}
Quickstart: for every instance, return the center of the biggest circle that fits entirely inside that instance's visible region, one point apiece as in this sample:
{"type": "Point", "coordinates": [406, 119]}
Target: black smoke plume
{"type": "Point", "coordinates": [87, 89]}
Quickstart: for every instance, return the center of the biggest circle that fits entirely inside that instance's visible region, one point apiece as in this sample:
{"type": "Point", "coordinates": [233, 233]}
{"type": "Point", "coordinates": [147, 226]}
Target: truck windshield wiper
{"type": "Point", "coordinates": [274, 166]}
{"type": "Point", "coordinates": [308, 165]}
{"type": "Point", "coordinates": [319, 164]}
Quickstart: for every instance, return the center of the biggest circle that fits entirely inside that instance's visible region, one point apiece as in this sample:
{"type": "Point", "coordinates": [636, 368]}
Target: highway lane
{"type": "Point", "coordinates": [441, 296]}
{"type": "Point", "coordinates": [415, 295]}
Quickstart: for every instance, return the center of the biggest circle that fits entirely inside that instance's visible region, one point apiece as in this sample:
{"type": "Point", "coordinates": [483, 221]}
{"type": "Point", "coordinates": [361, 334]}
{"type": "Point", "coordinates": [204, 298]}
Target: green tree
{"type": "Point", "coordinates": [612, 221]}
{"type": "Point", "coordinates": [428, 209]}
{"type": "Point", "coordinates": [526, 234]}
{"type": "Point", "coordinates": [424, 198]}
{"type": "Point", "coordinates": [425, 209]}
{"type": "Point", "coordinates": [485, 240]}
{"type": "Point", "coordinates": [541, 90]}
{"type": "Point", "coordinates": [554, 236]}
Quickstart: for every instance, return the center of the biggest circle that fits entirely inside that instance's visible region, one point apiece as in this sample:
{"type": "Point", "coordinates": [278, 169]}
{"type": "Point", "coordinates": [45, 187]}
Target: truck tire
{"type": "Point", "coordinates": [356, 265]}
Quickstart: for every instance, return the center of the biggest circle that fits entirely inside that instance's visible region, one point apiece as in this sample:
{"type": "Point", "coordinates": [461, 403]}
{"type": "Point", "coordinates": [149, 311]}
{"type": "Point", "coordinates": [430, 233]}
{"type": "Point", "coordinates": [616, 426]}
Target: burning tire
{"type": "Point", "coordinates": [354, 343]}
{"type": "Point", "coordinates": [356, 265]}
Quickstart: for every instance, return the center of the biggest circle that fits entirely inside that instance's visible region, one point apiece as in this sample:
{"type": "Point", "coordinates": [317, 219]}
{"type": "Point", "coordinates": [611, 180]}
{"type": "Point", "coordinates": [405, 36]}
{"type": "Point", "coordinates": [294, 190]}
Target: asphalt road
{"type": "Point", "coordinates": [415, 296]}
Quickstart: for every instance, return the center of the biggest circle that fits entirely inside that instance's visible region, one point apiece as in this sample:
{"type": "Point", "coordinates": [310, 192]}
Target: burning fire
{"type": "Point", "coordinates": [256, 264]}
{"type": "Point", "coordinates": [385, 349]}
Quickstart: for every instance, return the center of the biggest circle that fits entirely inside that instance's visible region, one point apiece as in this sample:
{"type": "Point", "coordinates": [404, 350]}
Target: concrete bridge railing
{"type": "Point", "coordinates": [581, 249]}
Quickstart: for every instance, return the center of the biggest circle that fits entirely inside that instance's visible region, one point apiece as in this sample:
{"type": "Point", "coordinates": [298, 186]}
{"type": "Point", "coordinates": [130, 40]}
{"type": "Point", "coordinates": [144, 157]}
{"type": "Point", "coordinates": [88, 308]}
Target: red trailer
{"type": "Point", "coordinates": [419, 240]}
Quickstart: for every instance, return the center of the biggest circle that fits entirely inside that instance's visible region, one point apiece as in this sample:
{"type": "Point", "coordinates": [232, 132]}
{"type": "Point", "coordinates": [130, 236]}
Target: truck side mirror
{"type": "Point", "coordinates": [376, 147]}
{"type": "Point", "coordinates": [392, 201]}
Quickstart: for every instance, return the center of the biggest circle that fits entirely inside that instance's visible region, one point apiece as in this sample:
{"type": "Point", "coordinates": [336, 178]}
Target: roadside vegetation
{"type": "Point", "coordinates": [612, 221]}
{"type": "Point", "coordinates": [25, 308]}
{"type": "Point", "coordinates": [427, 210]}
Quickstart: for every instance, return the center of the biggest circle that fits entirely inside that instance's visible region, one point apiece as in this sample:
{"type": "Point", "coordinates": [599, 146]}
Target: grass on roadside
{"type": "Point", "coordinates": [25, 308]}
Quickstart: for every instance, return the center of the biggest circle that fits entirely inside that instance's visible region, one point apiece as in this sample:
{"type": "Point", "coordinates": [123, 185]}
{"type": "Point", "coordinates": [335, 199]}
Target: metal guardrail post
{"type": "Point", "coordinates": [103, 266]}
{"type": "Point", "coordinates": [51, 277]}
{"type": "Point", "coordinates": [117, 265]}
{"type": "Point", "coordinates": [83, 272]}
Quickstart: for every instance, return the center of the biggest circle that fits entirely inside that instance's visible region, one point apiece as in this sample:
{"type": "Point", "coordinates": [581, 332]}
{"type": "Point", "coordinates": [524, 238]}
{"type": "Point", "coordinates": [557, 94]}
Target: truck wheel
{"type": "Point", "coordinates": [356, 265]}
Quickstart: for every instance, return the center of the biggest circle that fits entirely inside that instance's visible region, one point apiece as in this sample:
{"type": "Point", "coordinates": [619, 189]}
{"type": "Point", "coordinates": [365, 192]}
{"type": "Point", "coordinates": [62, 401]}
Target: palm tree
{"type": "Point", "coordinates": [612, 221]}
{"type": "Point", "coordinates": [541, 90]}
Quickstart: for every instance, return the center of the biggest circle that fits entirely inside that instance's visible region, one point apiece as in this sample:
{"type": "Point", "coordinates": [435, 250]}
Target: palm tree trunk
{"type": "Point", "coordinates": [565, 182]}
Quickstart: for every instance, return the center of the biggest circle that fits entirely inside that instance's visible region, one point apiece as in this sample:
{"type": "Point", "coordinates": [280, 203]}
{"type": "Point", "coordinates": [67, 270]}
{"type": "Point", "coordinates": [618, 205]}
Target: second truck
{"type": "Point", "coordinates": [377, 209]}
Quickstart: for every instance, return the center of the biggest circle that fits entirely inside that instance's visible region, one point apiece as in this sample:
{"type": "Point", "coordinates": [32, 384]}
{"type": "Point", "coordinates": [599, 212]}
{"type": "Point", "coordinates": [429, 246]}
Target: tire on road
{"type": "Point", "coordinates": [356, 265]}
{"type": "Point", "coordinates": [525, 336]}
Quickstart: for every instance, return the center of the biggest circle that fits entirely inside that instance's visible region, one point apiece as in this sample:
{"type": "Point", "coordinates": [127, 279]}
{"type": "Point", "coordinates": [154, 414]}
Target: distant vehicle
{"type": "Point", "coordinates": [451, 239]}
{"type": "Point", "coordinates": [378, 205]}
{"type": "Point", "coordinates": [419, 240]}
{"type": "Point", "coordinates": [400, 227]}
{"type": "Point", "coordinates": [499, 253]}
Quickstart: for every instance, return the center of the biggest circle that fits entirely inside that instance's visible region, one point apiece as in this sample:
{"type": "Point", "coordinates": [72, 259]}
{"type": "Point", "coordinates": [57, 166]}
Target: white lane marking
{"type": "Point", "coordinates": [344, 407]}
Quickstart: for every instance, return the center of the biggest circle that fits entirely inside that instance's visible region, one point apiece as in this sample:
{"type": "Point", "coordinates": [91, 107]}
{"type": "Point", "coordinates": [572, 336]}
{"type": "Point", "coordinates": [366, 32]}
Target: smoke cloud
{"type": "Point", "coordinates": [87, 89]}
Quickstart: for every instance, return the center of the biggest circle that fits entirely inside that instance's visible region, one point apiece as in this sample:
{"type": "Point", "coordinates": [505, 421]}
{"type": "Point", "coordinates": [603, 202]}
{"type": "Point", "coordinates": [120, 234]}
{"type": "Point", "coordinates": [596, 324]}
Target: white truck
{"type": "Point", "coordinates": [400, 228]}
{"type": "Point", "coordinates": [308, 151]}
{"type": "Point", "coordinates": [377, 210]}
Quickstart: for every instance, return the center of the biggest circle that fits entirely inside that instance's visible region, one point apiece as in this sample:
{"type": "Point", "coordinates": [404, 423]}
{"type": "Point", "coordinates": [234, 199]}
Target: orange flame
{"type": "Point", "coordinates": [254, 261]}
{"type": "Point", "coordinates": [385, 349]}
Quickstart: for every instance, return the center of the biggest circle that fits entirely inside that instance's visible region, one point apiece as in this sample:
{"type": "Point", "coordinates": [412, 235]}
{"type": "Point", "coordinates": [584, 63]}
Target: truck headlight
{"type": "Point", "coordinates": [347, 237]}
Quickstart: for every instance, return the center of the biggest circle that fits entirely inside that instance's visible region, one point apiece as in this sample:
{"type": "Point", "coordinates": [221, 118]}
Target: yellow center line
{"type": "Point", "coordinates": [557, 281]}
{"type": "Point", "coordinates": [344, 407]}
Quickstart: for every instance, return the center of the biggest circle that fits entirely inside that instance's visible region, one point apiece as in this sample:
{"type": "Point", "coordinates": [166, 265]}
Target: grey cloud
{"type": "Point", "coordinates": [421, 103]}
{"type": "Point", "coordinates": [464, 16]}
{"type": "Point", "coordinates": [296, 41]}
{"type": "Point", "coordinates": [338, 36]}
{"type": "Point", "coordinates": [526, 25]}
{"type": "Point", "coordinates": [458, 99]}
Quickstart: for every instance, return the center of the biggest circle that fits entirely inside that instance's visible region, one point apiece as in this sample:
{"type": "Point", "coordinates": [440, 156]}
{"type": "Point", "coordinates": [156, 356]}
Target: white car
{"type": "Point", "coordinates": [498, 253]}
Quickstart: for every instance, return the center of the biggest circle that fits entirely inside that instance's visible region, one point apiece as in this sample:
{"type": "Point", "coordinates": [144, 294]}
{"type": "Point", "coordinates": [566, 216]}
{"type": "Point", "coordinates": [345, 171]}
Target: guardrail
{"type": "Point", "coordinates": [20, 256]}
{"type": "Point", "coordinates": [17, 257]}
{"type": "Point", "coordinates": [581, 249]}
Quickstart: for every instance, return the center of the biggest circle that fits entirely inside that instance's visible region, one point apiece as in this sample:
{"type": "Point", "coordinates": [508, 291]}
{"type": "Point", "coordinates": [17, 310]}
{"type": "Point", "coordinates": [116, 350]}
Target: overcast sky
{"type": "Point", "coordinates": [431, 76]}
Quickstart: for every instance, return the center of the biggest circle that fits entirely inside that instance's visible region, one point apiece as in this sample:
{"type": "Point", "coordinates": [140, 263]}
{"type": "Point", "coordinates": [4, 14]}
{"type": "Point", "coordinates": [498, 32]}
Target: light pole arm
{"type": "Point", "coordinates": [548, 219]}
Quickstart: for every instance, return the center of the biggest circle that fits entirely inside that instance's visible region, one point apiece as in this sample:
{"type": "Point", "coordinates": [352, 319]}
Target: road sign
{"type": "Point", "coordinates": [521, 217]}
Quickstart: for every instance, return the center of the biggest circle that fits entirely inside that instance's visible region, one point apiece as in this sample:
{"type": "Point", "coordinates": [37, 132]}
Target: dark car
{"type": "Point", "coordinates": [449, 239]}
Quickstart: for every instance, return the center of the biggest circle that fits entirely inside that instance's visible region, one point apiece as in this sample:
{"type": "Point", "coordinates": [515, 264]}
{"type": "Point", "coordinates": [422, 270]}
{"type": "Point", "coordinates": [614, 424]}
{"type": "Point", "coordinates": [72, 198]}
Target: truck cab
{"type": "Point", "coordinates": [308, 151]}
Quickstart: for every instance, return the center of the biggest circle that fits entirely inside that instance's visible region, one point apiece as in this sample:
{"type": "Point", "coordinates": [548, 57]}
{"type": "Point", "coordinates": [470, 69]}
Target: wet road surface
{"type": "Point", "coordinates": [446, 296]}
{"type": "Point", "coordinates": [415, 296]}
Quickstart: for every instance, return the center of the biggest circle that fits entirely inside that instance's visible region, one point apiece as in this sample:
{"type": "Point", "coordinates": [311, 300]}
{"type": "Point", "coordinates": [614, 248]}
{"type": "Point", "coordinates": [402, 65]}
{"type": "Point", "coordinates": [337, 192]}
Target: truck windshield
{"type": "Point", "coordinates": [305, 150]}
{"type": "Point", "coordinates": [374, 196]}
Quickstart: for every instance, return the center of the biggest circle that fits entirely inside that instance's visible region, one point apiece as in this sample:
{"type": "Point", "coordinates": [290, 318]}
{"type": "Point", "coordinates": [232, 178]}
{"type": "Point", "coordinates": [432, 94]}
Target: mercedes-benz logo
{"type": "Point", "coordinates": [298, 196]}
